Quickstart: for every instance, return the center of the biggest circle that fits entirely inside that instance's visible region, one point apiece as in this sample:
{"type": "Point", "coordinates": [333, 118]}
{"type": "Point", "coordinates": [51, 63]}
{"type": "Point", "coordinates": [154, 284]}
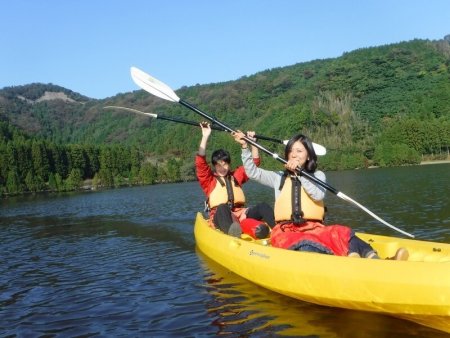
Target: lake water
{"type": "Point", "coordinates": [123, 262]}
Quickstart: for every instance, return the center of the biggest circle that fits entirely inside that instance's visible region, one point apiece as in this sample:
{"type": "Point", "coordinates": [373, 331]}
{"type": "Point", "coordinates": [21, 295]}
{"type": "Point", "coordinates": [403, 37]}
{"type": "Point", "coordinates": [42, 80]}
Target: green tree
{"type": "Point", "coordinates": [34, 182]}
{"type": "Point", "coordinates": [173, 170]}
{"type": "Point", "coordinates": [148, 173]}
{"type": "Point", "coordinates": [3, 164]}
{"type": "Point", "coordinates": [41, 165]}
{"type": "Point", "coordinates": [58, 159]}
{"type": "Point", "coordinates": [73, 182]}
{"type": "Point", "coordinates": [13, 185]}
{"type": "Point", "coordinates": [387, 154]}
{"type": "Point", "coordinates": [77, 159]}
{"type": "Point", "coordinates": [106, 177]}
{"type": "Point", "coordinates": [52, 185]}
{"type": "Point", "coordinates": [24, 158]}
{"type": "Point", "coordinates": [59, 182]}
{"type": "Point", "coordinates": [187, 171]}
{"type": "Point", "coordinates": [93, 161]}
{"type": "Point", "coordinates": [136, 158]}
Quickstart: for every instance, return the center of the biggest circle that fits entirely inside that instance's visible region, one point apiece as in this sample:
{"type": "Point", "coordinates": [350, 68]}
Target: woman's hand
{"type": "Point", "coordinates": [239, 138]}
{"type": "Point", "coordinates": [206, 128]}
{"type": "Point", "coordinates": [292, 164]}
{"type": "Point", "coordinates": [251, 135]}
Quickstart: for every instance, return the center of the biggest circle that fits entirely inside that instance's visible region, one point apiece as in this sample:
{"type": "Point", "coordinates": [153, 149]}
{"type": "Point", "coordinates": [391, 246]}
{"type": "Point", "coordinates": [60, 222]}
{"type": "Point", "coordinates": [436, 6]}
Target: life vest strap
{"type": "Point", "coordinates": [297, 214]}
{"type": "Point", "coordinates": [229, 191]}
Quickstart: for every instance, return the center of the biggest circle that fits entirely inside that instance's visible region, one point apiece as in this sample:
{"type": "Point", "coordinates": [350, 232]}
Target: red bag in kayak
{"type": "Point", "coordinates": [255, 228]}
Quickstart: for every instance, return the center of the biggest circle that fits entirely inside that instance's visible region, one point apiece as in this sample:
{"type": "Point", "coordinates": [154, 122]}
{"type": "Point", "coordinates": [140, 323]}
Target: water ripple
{"type": "Point", "coordinates": [123, 263]}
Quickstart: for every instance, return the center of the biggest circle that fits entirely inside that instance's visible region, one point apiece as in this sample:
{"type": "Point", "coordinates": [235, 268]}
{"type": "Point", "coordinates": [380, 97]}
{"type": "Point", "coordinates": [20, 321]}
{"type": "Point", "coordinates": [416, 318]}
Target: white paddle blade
{"type": "Point", "coordinates": [153, 86]}
{"type": "Point", "coordinates": [132, 110]}
{"type": "Point", "coordinates": [320, 150]}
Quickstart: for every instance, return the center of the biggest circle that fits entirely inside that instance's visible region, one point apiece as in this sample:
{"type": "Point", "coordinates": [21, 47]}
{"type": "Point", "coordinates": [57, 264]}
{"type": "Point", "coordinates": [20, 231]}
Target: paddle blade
{"type": "Point", "coordinates": [153, 86]}
{"type": "Point", "coordinates": [132, 110]}
{"type": "Point", "coordinates": [319, 149]}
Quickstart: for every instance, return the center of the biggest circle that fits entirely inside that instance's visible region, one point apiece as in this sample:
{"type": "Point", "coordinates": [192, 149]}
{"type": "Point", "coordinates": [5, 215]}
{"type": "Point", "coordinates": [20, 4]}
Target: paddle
{"type": "Point", "coordinates": [161, 90]}
{"type": "Point", "coordinates": [173, 119]}
{"type": "Point", "coordinates": [161, 117]}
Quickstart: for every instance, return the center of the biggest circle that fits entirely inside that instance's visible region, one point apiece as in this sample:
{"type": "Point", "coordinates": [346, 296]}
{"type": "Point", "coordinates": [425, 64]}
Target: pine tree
{"type": "Point", "coordinates": [41, 165]}
{"type": "Point", "coordinates": [13, 185]}
{"type": "Point", "coordinates": [74, 180]}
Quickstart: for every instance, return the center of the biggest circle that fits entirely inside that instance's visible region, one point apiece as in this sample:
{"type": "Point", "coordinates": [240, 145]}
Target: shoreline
{"type": "Point", "coordinates": [428, 162]}
{"type": "Point", "coordinates": [434, 162]}
{"type": "Point", "coordinates": [88, 186]}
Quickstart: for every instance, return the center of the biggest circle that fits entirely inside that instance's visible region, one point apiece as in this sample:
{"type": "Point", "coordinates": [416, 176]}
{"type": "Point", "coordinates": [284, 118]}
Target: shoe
{"type": "Point", "coordinates": [401, 255]}
{"type": "Point", "coordinates": [354, 255]}
{"type": "Point", "coordinates": [235, 229]}
{"type": "Point", "coordinates": [372, 255]}
{"type": "Point", "coordinates": [262, 231]}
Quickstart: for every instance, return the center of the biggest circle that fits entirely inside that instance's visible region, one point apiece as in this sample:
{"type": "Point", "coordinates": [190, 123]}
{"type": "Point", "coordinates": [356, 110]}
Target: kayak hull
{"type": "Point", "coordinates": [416, 290]}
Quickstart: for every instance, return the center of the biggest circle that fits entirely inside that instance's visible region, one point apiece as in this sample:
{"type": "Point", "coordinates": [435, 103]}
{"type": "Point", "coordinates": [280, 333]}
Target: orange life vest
{"type": "Point", "coordinates": [307, 208]}
{"type": "Point", "coordinates": [227, 190]}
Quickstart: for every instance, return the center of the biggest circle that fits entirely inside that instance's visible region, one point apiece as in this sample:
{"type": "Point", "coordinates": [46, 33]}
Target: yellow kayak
{"type": "Point", "coordinates": [416, 290]}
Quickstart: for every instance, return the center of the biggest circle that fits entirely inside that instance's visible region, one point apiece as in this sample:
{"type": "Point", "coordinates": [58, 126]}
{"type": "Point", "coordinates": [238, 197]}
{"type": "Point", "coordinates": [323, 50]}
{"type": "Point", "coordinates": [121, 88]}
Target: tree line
{"type": "Point", "coordinates": [31, 165]}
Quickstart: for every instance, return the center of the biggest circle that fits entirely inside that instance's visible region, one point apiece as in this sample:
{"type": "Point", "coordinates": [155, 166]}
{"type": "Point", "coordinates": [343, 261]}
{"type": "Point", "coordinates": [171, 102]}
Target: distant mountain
{"type": "Point", "coordinates": [37, 92]}
{"type": "Point", "coordinates": [41, 109]}
{"type": "Point", "coordinates": [361, 89]}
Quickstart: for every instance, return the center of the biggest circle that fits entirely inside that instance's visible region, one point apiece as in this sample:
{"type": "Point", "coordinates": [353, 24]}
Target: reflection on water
{"type": "Point", "coordinates": [123, 262]}
{"type": "Point", "coordinates": [241, 307]}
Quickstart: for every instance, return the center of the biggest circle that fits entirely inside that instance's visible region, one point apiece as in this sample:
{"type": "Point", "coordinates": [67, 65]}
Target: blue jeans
{"type": "Point", "coordinates": [356, 244]}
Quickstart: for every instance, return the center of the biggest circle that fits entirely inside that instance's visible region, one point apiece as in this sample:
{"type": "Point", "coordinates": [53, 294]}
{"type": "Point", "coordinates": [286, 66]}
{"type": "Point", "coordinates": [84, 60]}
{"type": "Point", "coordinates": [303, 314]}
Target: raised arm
{"type": "Point", "coordinates": [266, 177]}
{"type": "Point", "coordinates": [255, 150]}
{"type": "Point", "coordinates": [206, 132]}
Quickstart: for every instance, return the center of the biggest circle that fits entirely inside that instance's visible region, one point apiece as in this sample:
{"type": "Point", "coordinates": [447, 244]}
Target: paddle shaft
{"type": "Point", "coordinates": [173, 119]}
{"type": "Point", "coordinates": [215, 123]}
{"type": "Point", "coordinates": [260, 147]}
{"type": "Point", "coordinates": [191, 123]}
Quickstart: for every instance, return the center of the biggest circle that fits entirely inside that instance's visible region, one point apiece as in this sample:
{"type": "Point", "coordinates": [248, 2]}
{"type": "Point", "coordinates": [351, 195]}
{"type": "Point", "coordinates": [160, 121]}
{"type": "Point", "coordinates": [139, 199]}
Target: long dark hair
{"type": "Point", "coordinates": [311, 163]}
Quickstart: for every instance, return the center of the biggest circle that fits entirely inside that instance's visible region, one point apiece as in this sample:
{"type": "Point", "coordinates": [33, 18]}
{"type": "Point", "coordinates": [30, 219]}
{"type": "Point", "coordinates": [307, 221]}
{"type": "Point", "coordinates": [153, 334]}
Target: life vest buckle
{"type": "Point", "coordinates": [206, 208]}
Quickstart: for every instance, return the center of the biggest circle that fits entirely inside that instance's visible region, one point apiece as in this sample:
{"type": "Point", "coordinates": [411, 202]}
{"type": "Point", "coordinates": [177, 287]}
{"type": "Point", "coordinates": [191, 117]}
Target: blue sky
{"type": "Point", "coordinates": [88, 46]}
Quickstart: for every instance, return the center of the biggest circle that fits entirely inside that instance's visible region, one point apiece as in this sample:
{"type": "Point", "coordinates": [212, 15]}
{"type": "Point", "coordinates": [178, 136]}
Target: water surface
{"type": "Point", "coordinates": [123, 262]}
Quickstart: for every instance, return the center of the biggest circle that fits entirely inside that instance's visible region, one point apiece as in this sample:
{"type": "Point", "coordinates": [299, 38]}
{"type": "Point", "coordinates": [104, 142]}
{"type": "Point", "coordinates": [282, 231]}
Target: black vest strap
{"type": "Point", "coordinates": [229, 191]}
{"type": "Point", "coordinates": [283, 179]}
{"type": "Point", "coordinates": [297, 214]}
{"type": "Point", "coordinates": [220, 180]}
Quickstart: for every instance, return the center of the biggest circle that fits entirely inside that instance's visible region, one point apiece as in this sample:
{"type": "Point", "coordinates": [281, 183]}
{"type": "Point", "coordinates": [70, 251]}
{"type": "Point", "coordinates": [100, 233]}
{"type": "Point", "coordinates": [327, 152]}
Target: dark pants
{"type": "Point", "coordinates": [223, 216]}
{"type": "Point", "coordinates": [262, 211]}
{"type": "Point", "coordinates": [356, 244]}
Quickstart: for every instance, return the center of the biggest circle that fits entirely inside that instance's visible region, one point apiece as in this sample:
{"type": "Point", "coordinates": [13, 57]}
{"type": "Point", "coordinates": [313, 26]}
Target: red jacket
{"type": "Point", "coordinates": [207, 178]}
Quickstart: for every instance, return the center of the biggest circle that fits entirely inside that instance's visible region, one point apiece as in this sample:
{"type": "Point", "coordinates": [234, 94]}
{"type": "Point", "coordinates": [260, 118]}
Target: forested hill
{"type": "Point", "coordinates": [383, 105]}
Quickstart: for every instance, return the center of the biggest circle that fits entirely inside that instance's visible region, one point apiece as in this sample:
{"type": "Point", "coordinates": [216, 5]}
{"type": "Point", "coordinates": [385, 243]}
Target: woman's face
{"type": "Point", "coordinates": [299, 153]}
{"type": "Point", "coordinates": [222, 168]}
